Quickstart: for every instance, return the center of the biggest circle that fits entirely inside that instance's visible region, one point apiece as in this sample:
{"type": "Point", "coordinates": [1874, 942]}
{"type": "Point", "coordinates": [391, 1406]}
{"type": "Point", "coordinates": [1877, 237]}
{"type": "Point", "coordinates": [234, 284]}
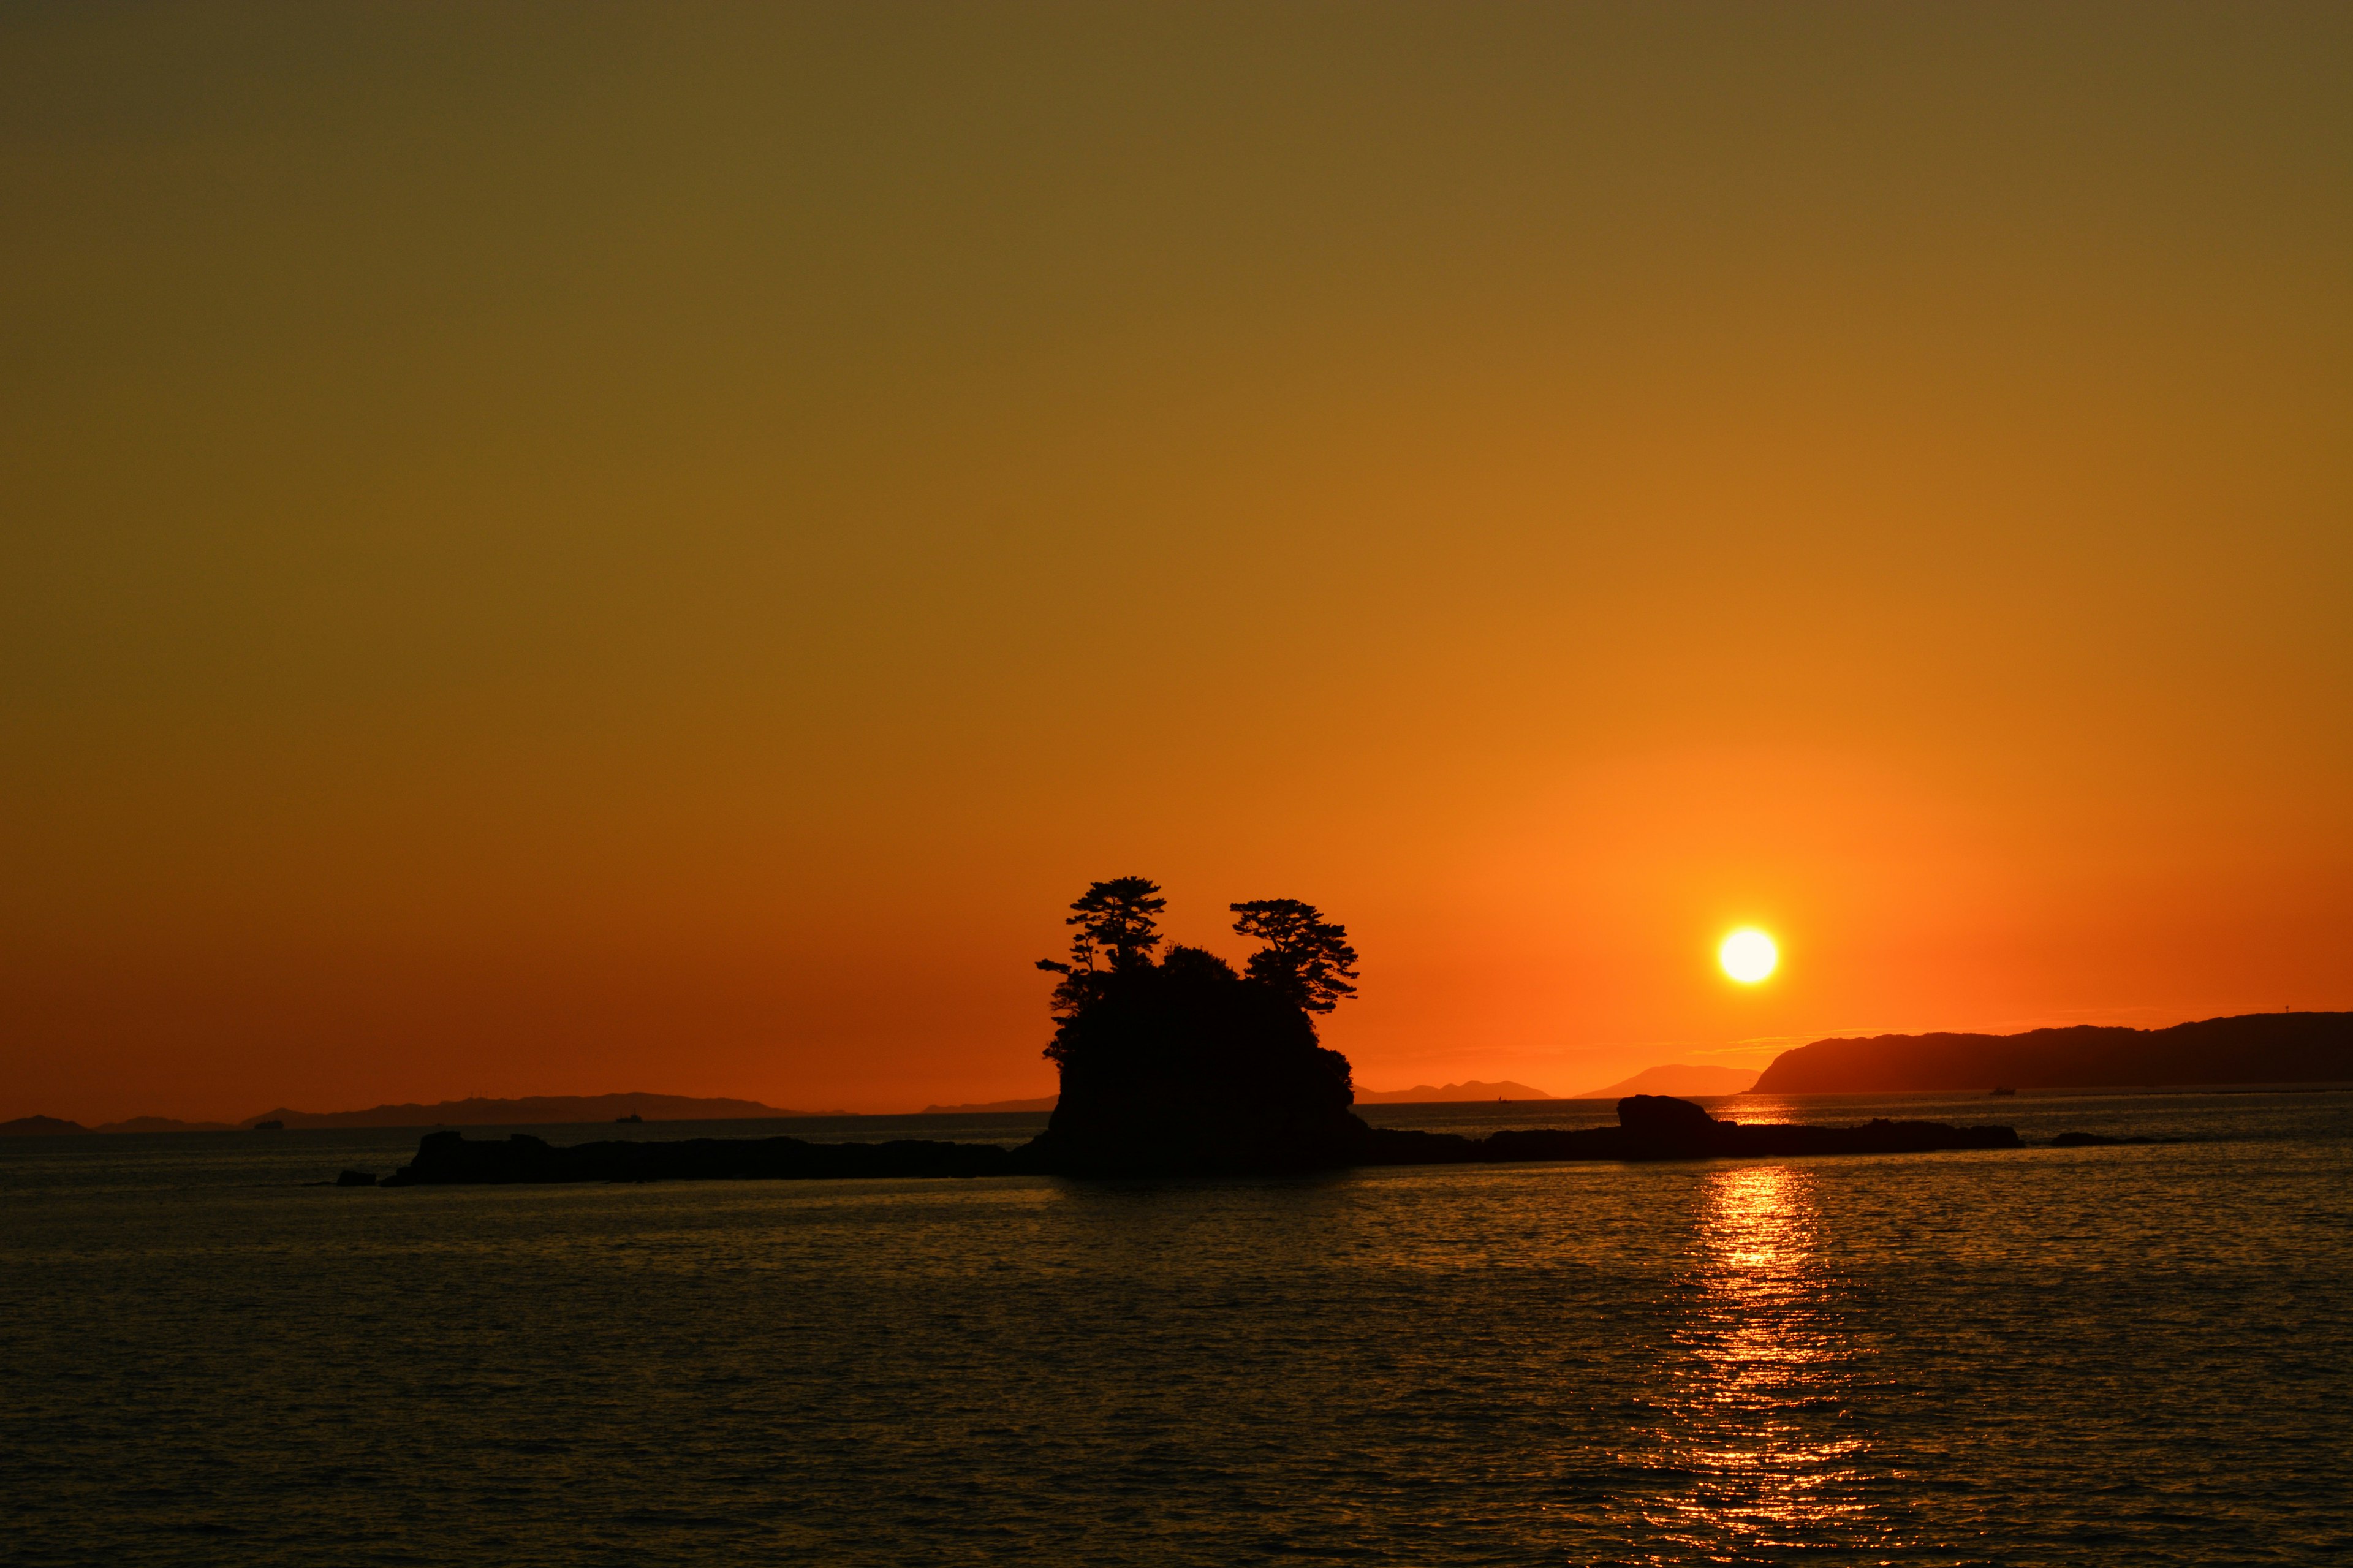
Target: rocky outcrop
{"type": "Point", "coordinates": [1655, 1127]}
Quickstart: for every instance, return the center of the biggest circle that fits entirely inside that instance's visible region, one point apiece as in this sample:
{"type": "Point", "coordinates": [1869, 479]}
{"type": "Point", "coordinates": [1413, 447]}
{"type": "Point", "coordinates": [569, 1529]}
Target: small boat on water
{"type": "Point", "coordinates": [2000, 1093]}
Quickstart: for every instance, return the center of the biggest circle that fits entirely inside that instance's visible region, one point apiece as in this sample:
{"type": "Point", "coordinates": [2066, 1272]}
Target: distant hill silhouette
{"type": "Point", "coordinates": [39, 1126]}
{"type": "Point", "coordinates": [1677, 1079]}
{"type": "Point", "coordinates": [2255, 1048]}
{"type": "Point", "coordinates": [36, 1125]}
{"type": "Point", "coordinates": [1424, 1094]}
{"type": "Point", "coordinates": [539, 1111]}
{"type": "Point", "coordinates": [161, 1124]}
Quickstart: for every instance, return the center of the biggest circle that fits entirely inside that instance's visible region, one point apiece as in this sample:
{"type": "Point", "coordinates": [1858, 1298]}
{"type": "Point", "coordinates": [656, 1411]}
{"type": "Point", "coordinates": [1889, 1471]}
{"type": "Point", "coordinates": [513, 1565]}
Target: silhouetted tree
{"type": "Point", "coordinates": [1117, 920]}
{"type": "Point", "coordinates": [1306, 958]}
{"type": "Point", "coordinates": [1120, 917]}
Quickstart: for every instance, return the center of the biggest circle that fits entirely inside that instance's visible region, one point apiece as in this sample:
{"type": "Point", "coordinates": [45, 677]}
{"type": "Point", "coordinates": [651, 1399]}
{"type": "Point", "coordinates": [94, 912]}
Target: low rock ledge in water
{"type": "Point", "coordinates": [1650, 1127]}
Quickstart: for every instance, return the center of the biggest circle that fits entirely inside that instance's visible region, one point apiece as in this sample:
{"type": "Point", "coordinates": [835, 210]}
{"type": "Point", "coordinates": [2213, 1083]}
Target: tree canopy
{"type": "Point", "coordinates": [1118, 918]}
{"type": "Point", "coordinates": [1306, 960]}
{"type": "Point", "coordinates": [1306, 957]}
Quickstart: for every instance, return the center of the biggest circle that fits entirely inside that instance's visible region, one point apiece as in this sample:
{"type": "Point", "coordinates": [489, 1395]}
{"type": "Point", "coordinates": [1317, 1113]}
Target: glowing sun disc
{"type": "Point", "coordinates": [1749, 956]}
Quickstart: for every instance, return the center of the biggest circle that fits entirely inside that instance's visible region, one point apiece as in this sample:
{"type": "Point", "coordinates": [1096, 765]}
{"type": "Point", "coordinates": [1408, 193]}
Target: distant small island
{"type": "Point", "coordinates": [1678, 1078]}
{"type": "Point", "coordinates": [1671, 1079]}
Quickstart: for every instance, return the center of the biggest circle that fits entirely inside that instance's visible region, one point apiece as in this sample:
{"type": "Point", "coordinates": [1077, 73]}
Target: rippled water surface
{"type": "Point", "coordinates": [2095, 1355]}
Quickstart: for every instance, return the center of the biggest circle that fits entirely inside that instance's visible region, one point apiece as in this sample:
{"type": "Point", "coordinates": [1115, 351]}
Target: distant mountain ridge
{"type": "Point", "coordinates": [540, 1111]}
{"type": "Point", "coordinates": [1677, 1079]}
{"type": "Point", "coordinates": [162, 1124]}
{"type": "Point", "coordinates": [38, 1127]}
{"type": "Point", "coordinates": [1426, 1094]}
{"type": "Point", "coordinates": [41, 1126]}
{"type": "Point", "coordinates": [532, 1110]}
{"type": "Point", "coordinates": [2252, 1048]}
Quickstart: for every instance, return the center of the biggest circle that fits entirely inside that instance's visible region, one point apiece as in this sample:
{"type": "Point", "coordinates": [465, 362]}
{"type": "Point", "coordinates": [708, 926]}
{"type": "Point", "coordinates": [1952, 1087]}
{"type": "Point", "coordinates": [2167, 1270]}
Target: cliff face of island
{"type": "Point", "coordinates": [2256, 1048]}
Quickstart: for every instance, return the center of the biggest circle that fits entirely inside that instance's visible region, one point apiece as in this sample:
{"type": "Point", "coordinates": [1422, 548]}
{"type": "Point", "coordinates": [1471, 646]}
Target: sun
{"type": "Point", "coordinates": [1749, 956]}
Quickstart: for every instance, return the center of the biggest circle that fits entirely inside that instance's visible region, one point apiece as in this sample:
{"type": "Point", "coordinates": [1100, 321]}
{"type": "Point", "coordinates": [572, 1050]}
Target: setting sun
{"type": "Point", "coordinates": [1749, 956]}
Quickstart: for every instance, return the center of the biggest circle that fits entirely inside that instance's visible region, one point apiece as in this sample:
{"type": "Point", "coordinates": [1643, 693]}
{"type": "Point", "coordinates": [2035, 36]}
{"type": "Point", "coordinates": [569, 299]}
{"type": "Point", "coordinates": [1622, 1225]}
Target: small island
{"type": "Point", "coordinates": [1179, 1064]}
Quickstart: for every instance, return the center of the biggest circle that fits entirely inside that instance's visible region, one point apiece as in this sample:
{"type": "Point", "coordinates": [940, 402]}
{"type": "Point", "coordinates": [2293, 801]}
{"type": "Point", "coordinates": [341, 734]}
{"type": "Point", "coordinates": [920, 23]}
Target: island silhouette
{"type": "Point", "coordinates": [1178, 1064]}
{"type": "Point", "coordinates": [1183, 1064]}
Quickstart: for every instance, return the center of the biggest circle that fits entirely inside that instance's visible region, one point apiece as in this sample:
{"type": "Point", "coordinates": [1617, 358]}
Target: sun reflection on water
{"type": "Point", "coordinates": [1754, 1447]}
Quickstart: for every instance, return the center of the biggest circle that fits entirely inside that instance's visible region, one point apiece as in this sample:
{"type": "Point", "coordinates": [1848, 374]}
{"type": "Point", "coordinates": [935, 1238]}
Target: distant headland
{"type": "Point", "coordinates": [2252, 1048]}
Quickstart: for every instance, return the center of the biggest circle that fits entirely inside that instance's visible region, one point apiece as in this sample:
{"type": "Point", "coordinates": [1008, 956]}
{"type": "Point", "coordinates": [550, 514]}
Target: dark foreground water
{"type": "Point", "coordinates": [2107, 1355]}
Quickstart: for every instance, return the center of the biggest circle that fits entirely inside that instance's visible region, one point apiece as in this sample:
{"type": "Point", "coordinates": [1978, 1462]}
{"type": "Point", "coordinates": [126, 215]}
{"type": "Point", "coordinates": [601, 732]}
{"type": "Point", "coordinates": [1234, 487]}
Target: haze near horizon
{"type": "Point", "coordinates": [552, 551]}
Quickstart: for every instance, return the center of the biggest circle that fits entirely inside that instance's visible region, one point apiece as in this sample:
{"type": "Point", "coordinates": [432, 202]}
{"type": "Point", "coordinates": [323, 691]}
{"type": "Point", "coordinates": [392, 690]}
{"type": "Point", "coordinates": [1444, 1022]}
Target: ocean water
{"type": "Point", "coordinates": [2136, 1354]}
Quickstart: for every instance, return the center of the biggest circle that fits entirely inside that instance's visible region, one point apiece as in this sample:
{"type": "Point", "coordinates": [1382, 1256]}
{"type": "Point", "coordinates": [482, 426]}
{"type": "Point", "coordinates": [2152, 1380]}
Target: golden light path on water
{"type": "Point", "coordinates": [1754, 1427]}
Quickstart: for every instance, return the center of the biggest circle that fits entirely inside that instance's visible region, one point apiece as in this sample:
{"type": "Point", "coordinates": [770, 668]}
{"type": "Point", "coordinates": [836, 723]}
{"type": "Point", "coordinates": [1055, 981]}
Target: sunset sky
{"type": "Point", "coordinates": [563, 549]}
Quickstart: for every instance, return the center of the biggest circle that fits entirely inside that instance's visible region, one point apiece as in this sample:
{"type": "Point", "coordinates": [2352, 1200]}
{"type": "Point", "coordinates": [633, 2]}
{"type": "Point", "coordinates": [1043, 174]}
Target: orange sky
{"type": "Point", "coordinates": [564, 550]}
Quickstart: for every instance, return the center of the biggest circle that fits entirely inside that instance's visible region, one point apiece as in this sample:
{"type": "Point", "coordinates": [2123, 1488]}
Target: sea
{"type": "Point", "coordinates": [2128, 1354]}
